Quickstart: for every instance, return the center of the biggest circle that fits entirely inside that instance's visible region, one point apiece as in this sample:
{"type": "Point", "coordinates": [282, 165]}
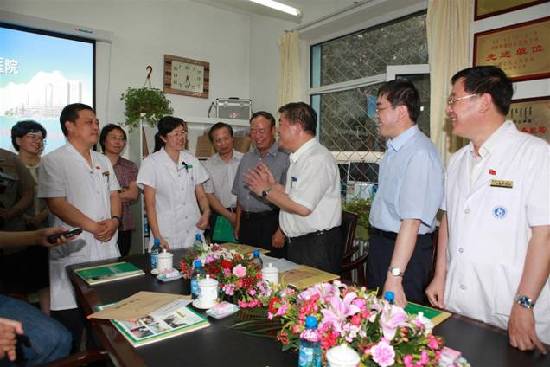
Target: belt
{"type": "Point", "coordinates": [313, 234]}
{"type": "Point", "coordinates": [388, 235]}
{"type": "Point", "coordinates": [267, 213]}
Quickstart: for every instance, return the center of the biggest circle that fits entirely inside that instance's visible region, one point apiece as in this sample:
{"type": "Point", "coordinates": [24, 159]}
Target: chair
{"type": "Point", "coordinates": [352, 258]}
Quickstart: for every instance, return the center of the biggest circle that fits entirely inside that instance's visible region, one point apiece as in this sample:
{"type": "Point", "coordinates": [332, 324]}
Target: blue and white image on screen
{"type": "Point", "coordinates": [39, 75]}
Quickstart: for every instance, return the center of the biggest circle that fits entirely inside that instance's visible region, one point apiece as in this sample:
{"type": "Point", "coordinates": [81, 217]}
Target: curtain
{"type": "Point", "coordinates": [448, 31]}
{"type": "Point", "coordinates": [290, 80]}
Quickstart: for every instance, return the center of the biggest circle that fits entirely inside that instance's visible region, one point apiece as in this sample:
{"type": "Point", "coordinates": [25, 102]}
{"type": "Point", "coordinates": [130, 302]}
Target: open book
{"type": "Point", "coordinates": [108, 272]}
{"type": "Point", "coordinates": [166, 322]}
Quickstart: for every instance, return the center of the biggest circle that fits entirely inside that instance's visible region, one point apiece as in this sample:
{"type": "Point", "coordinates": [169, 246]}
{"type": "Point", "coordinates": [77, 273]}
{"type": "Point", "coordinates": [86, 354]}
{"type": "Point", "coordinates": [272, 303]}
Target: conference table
{"type": "Point", "coordinates": [219, 344]}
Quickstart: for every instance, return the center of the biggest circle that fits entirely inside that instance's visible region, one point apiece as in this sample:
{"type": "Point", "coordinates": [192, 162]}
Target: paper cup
{"type": "Point", "coordinates": [342, 356]}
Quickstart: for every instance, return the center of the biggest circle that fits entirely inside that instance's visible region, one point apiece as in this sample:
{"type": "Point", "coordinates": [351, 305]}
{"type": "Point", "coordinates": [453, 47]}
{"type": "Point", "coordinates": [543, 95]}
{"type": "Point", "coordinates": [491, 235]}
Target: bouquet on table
{"type": "Point", "coordinates": [239, 278]}
{"type": "Point", "coordinates": [382, 334]}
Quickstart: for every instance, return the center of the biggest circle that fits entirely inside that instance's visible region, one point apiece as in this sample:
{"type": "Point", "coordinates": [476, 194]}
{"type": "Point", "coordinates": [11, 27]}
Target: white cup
{"type": "Point", "coordinates": [270, 274]}
{"type": "Point", "coordinates": [342, 356]}
{"type": "Point", "coordinates": [208, 292]}
{"type": "Point", "coordinates": [164, 261]}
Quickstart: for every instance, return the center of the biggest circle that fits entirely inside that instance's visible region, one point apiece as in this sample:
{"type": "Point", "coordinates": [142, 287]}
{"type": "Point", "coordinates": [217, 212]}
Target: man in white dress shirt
{"type": "Point", "coordinates": [310, 202]}
{"type": "Point", "coordinates": [222, 168]}
{"type": "Point", "coordinates": [493, 260]}
{"type": "Point", "coordinates": [81, 189]}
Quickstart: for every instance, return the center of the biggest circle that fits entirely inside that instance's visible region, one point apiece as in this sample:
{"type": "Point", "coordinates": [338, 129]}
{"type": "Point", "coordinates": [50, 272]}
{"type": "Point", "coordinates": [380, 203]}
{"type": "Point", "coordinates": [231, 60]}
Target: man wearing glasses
{"type": "Point", "coordinates": [493, 257]}
{"type": "Point", "coordinates": [410, 190]}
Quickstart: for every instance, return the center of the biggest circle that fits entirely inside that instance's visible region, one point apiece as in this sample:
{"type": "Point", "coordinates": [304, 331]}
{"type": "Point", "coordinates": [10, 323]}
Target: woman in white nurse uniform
{"type": "Point", "coordinates": [171, 179]}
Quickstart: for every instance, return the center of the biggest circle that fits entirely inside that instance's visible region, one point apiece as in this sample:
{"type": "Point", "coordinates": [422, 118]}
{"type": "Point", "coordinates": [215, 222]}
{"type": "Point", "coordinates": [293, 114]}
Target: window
{"type": "Point", "coordinates": [345, 76]}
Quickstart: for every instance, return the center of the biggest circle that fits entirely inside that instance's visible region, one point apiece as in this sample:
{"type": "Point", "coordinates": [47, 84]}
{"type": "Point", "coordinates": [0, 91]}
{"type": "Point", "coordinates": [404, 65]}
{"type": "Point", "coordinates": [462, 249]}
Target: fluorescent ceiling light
{"type": "Point", "coordinates": [279, 6]}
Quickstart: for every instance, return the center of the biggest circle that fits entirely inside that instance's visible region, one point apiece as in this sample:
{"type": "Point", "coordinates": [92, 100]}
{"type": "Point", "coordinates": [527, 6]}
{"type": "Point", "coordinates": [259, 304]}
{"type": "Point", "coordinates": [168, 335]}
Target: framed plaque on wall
{"type": "Point", "coordinates": [489, 8]}
{"type": "Point", "coordinates": [522, 50]}
{"type": "Point", "coordinates": [532, 115]}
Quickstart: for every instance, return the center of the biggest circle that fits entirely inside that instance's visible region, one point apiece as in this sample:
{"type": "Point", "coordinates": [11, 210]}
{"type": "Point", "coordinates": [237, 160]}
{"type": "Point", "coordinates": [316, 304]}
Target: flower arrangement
{"type": "Point", "coordinates": [239, 278]}
{"type": "Point", "coordinates": [383, 334]}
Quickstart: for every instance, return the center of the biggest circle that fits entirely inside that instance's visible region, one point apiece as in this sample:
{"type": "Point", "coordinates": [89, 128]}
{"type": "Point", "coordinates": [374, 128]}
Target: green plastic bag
{"type": "Point", "coordinates": [223, 230]}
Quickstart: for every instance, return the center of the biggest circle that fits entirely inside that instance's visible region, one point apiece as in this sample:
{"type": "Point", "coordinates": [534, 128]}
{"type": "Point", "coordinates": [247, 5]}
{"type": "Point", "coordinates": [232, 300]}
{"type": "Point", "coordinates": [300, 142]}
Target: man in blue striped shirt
{"type": "Point", "coordinates": [410, 190]}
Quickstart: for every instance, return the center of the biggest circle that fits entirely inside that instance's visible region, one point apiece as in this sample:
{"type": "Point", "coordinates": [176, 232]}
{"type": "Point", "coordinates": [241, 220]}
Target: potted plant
{"type": "Point", "coordinates": [146, 103]}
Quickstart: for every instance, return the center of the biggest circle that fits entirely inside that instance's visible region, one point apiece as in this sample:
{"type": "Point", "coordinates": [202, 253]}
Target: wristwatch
{"type": "Point", "coordinates": [396, 272]}
{"type": "Point", "coordinates": [265, 192]}
{"type": "Point", "coordinates": [524, 301]}
{"type": "Point", "coordinates": [117, 218]}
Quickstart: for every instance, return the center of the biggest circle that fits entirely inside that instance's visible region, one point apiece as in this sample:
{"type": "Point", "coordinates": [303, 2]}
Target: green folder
{"type": "Point", "coordinates": [436, 316]}
{"type": "Point", "coordinates": [108, 272]}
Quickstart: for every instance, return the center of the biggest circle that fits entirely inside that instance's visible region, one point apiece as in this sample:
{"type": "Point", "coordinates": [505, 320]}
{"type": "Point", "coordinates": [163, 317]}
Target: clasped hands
{"type": "Point", "coordinates": [104, 230]}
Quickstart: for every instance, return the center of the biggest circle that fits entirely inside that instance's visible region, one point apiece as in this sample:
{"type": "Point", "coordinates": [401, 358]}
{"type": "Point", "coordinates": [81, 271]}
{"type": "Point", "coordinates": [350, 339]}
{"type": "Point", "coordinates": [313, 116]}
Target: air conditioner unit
{"type": "Point", "coordinates": [233, 108]}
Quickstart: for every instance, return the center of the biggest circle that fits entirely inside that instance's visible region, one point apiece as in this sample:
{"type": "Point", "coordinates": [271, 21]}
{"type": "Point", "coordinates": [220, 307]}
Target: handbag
{"type": "Point", "coordinates": [223, 230]}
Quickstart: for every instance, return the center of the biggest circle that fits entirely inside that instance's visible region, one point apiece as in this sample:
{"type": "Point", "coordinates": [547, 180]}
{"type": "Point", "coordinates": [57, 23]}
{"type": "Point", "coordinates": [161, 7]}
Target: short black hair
{"type": "Point", "coordinates": [301, 113]}
{"type": "Point", "coordinates": [217, 126]}
{"type": "Point", "coordinates": [402, 92]}
{"type": "Point", "coordinates": [23, 127]}
{"type": "Point", "coordinates": [105, 131]}
{"type": "Point", "coordinates": [488, 79]}
{"type": "Point", "coordinates": [165, 126]}
{"type": "Point", "coordinates": [265, 115]}
{"type": "Point", "coordinates": [70, 113]}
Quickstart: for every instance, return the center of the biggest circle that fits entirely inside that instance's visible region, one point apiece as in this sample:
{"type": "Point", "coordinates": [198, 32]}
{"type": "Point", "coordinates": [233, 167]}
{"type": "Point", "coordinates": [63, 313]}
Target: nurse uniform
{"type": "Point", "coordinates": [176, 203]}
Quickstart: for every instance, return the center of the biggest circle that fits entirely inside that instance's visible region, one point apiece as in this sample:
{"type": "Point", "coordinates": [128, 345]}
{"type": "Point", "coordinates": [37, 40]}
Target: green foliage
{"type": "Point", "coordinates": [150, 102]}
{"type": "Point", "coordinates": [361, 207]}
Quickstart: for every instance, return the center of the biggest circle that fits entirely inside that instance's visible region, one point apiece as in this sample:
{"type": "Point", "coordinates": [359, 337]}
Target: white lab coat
{"type": "Point", "coordinates": [176, 203]}
{"type": "Point", "coordinates": [65, 173]}
{"type": "Point", "coordinates": [489, 227]}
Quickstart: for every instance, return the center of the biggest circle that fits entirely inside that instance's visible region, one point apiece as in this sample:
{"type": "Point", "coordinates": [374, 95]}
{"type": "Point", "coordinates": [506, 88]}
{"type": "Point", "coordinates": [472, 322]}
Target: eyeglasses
{"type": "Point", "coordinates": [452, 99]}
{"type": "Point", "coordinates": [380, 109]}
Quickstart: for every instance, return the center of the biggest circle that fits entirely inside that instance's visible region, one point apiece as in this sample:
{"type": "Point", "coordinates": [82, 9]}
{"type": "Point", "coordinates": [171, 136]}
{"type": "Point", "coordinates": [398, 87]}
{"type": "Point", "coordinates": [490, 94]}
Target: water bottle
{"type": "Point", "coordinates": [389, 296]}
{"type": "Point", "coordinates": [256, 259]}
{"type": "Point", "coordinates": [198, 274]}
{"type": "Point", "coordinates": [155, 250]}
{"type": "Point", "coordinates": [197, 245]}
{"type": "Point", "coordinates": [310, 354]}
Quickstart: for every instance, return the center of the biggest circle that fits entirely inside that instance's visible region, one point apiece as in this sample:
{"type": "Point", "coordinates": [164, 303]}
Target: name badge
{"type": "Point", "coordinates": [293, 180]}
{"type": "Point", "coordinates": [505, 184]}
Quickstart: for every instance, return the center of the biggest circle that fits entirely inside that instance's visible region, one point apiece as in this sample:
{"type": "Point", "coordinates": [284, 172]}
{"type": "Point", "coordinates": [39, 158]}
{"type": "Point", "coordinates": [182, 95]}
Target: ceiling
{"type": "Point", "coordinates": [311, 9]}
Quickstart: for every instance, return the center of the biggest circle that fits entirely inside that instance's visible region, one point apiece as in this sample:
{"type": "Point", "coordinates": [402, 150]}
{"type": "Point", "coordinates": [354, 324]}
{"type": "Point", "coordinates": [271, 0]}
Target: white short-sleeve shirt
{"type": "Point", "coordinates": [176, 203]}
{"type": "Point", "coordinates": [65, 173]}
{"type": "Point", "coordinates": [490, 220]}
{"type": "Point", "coordinates": [222, 174]}
{"type": "Point", "coordinates": [313, 181]}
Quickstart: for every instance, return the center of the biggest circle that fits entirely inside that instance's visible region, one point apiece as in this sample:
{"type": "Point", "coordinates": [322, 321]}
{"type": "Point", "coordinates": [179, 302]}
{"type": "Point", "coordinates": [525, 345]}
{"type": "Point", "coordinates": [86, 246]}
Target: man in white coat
{"type": "Point", "coordinates": [81, 189]}
{"type": "Point", "coordinates": [493, 257]}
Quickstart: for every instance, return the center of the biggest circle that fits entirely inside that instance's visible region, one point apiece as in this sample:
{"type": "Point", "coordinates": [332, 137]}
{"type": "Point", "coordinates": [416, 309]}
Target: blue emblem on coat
{"type": "Point", "coordinates": [499, 212]}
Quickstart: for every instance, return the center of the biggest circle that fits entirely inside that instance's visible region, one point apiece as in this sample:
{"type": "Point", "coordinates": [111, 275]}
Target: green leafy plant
{"type": "Point", "coordinates": [147, 103]}
{"type": "Point", "coordinates": [361, 207]}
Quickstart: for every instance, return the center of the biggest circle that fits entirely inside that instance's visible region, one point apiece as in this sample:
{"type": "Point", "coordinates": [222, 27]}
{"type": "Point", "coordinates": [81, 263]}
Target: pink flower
{"type": "Point", "coordinates": [383, 353]}
{"type": "Point", "coordinates": [432, 342]}
{"type": "Point", "coordinates": [392, 317]}
{"type": "Point", "coordinates": [239, 271]}
{"type": "Point", "coordinates": [338, 310]}
{"type": "Point", "coordinates": [408, 360]}
{"type": "Point", "coordinates": [424, 358]}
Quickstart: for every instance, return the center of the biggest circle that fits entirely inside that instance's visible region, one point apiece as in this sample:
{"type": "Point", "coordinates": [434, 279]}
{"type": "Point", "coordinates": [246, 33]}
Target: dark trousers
{"type": "Point", "coordinates": [257, 230]}
{"type": "Point", "coordinates": [124, 242]}
{"type": "Point", "coordinates": [73, 320]}
{"type": "Point", "coordinates": [419, 269]}
{"type": "Point", "coordinates": [322, 250]}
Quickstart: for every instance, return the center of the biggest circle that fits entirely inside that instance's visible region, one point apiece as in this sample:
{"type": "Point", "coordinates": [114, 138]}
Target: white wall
{"type": "Point", "coordinates": [143, 31]}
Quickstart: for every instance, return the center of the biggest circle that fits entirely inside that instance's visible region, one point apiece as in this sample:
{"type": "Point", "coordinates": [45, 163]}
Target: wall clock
{"type": "Point", "coordinates": [186, 76]}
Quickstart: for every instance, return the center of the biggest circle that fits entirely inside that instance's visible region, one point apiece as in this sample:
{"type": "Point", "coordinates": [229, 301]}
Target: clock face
{"type": "Point", "coordinates": [187, 77]}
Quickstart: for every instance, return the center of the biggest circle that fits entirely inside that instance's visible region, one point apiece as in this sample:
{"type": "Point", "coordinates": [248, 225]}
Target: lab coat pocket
{"type": "Point", "coordinates": [67, 250]}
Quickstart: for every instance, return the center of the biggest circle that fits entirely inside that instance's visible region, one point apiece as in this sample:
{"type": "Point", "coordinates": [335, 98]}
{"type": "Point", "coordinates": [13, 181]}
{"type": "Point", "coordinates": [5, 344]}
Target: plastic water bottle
{"type": "Point", "coordinates": [256, 259]}
{"type": "Point", "coordinates": [198, 274]}
{"type": "Point", "coordinates": [197, 245]}
{"type": "Point", "coordinates": [155, 250]}
{"type": "Point", "coordinates": [310, 354]}
{"type": "Point", "coordinates": [389, 296]}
